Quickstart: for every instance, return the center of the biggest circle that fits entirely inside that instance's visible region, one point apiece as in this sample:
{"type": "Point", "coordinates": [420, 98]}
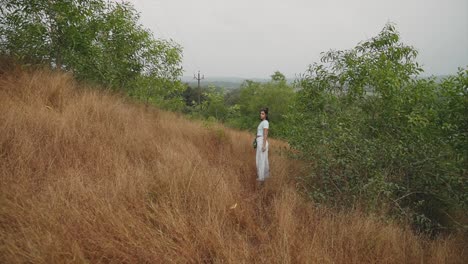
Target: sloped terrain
{"type": "Point", "coordinates": [89, 176]}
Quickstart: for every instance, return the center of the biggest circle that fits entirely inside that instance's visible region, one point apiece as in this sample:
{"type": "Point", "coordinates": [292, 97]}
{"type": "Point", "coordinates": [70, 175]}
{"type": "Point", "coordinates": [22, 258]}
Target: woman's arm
{"type": "Point", "coordinates": [265, 135]}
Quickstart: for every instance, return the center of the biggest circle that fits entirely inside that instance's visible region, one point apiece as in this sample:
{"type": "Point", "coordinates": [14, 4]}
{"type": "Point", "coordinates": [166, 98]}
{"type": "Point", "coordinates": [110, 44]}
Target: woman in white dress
{"type": "Point", "coordinates": [263, 169]}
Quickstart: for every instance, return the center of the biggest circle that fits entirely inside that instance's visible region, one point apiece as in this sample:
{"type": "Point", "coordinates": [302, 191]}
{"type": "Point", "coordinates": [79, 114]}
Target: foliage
{"type": "Point", "coordinates": [276, 95]}
{"type": "Point", "coordinates": [214, 105]}
{"type": "Point", "coordinates": [190, 95]}
{"type": "Point", "coordinates": [232, 97]}
{"type": "Point", "coordinates": [99, 41]}
{"type": "Point", "coordinates": [278, 77]}
{"type": "Point", "coordinates": [376, 134]}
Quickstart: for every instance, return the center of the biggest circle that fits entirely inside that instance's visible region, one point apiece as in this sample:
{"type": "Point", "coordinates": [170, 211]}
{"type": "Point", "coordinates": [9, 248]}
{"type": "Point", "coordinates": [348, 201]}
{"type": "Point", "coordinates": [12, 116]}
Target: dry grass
{"type": "Point", "coordinates": [90, 177]}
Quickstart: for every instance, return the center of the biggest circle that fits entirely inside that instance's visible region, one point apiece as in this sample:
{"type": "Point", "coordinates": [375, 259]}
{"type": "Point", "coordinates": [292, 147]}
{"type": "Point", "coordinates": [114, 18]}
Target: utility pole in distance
{"type": "Point", "coordinates": [199, 91]}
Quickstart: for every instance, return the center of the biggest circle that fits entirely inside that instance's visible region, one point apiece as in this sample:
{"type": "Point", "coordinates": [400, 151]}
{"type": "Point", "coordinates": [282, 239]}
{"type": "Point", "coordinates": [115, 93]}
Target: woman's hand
{"type": "Point", "coordinates": [265, 136]}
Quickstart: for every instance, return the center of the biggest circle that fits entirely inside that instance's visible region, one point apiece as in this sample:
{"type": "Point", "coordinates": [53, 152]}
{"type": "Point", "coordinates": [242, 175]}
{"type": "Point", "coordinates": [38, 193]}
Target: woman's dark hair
{"type": "Point", "coordinates": [266, 112]}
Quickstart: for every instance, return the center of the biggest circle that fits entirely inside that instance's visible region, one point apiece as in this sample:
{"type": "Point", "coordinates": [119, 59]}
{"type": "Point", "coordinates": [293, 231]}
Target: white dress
{"type": "Point", "coordinates": [263, 168]}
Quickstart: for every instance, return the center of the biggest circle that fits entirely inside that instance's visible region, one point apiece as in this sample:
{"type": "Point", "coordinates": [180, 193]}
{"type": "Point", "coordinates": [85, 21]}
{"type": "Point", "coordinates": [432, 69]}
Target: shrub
{"type": "Point", "coordinates": [377, 135]}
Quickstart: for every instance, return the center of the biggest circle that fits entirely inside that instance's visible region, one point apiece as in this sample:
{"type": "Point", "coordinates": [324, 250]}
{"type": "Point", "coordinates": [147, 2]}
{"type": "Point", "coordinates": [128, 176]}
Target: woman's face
{"type": "Point", "coordinates": [262, 115]}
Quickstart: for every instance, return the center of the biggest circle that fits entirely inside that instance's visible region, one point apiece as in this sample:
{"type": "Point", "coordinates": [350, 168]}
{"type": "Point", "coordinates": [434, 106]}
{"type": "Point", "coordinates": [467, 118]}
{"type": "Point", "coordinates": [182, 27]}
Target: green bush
{"type": "Point", "coordinates": [378, 136]}
{"type": "Point", "coordinates": [277, 95]}
{"type": "Point", "coordinates": [98, 41]}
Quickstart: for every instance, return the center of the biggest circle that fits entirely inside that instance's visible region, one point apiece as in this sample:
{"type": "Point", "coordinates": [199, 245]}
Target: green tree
{"type": "Point", "coordinates": [376, 135]}
{"type": "Point", "coordinates": [276, 95]}
{"type": "Point", "coordinates": [47, 31]}
{"type": "Point", "coordinates": [214, 105]}
{"type": "Point", "coordinates": [278, 77]}
{"type": "Point", "coordinates": [232, 96]}
{"type": "Point", "coordinates": [100, 41]}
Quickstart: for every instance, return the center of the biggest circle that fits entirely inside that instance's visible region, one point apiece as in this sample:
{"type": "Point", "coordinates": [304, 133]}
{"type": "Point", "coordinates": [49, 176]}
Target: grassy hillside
{"type": "Point", "coordinates": [87, 176]}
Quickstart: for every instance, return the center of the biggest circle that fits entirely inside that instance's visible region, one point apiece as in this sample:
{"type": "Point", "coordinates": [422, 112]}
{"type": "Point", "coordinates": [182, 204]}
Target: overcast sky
{"type": "Point", "coordinates": [254, 38]}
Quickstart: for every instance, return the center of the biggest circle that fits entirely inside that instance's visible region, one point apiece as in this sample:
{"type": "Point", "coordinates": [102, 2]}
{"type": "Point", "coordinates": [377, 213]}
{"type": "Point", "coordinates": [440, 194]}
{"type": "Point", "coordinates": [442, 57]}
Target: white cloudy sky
{"type": "Point", "coordinates": [254, 38]}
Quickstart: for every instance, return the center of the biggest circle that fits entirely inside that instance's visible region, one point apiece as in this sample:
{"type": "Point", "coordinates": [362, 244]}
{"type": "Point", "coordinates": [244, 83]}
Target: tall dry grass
{"type": "Point", "coordinates": [87, 176]}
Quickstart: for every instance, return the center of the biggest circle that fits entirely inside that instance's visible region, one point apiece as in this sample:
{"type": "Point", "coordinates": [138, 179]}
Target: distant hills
{"type": "Point", "coordinates": [225, 82]}
{"type": "Point", "coordinates": [236, 82]}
